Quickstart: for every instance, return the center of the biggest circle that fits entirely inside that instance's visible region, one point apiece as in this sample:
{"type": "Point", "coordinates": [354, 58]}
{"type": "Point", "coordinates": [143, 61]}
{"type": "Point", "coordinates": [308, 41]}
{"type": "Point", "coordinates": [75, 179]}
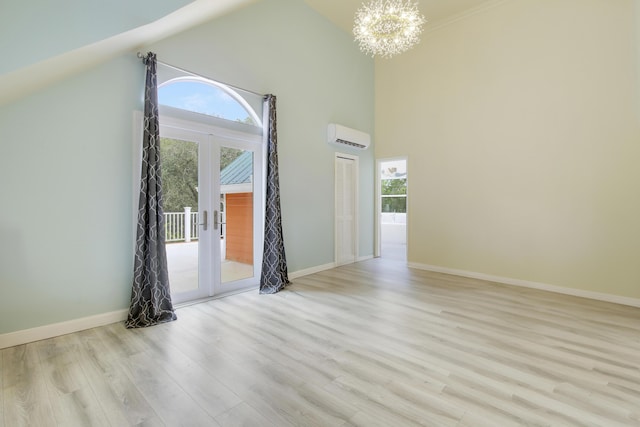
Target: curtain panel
{"type": "Point", "coordinates": [150, 295]}
{"type": "Point", "coordinates": [274, 275]}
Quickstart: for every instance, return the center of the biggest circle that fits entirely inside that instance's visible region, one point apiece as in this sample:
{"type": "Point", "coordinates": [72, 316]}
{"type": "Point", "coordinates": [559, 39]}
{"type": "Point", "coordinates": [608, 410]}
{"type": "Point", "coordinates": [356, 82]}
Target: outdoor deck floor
{"type": "Point", "coordinates": [182, 259]}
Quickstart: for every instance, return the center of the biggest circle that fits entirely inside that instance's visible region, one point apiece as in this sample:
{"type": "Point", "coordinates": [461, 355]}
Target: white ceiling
{"type": "Point", "coordinates": [341, 12]}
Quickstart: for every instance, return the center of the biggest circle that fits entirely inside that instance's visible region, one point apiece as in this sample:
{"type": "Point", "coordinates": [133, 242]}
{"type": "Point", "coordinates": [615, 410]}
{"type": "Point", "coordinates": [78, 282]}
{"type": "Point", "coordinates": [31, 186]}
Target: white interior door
{"type": "Point", "coordinates": [346, 212]}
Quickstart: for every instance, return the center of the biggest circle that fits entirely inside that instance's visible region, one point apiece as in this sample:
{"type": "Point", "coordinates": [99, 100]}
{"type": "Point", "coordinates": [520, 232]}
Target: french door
{"type": "Point", "coordinates": [212, 188]}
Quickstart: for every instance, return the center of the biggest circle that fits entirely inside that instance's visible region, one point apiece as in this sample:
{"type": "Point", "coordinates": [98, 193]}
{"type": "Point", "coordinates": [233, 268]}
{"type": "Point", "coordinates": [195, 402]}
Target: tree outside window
{"type": "Point", "coordinates": [394, 195]}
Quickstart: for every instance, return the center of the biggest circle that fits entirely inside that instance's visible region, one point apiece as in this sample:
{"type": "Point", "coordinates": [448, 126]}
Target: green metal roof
{"type": "Point", "coordinates": [239, 171]}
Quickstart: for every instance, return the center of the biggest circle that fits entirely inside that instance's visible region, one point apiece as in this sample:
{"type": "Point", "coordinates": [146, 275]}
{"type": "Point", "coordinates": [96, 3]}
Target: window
{"type": "Point", "coordinates": [203, 96]}
{"type": "Point", "coordinates": [394, 195]}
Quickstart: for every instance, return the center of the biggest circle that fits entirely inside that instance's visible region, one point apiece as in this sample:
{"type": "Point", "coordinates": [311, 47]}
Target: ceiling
{"type": "Point", "coordinates": [26, 80]}
{"type": "Point", "coordinates": [341, 12]}
{"type": "Point", "coordinates": [23, 81]}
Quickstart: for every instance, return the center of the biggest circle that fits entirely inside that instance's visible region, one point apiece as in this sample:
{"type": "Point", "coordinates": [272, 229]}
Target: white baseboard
{"type": "Point", "coordinates": [311, 270]}
{"type": "Point", "coordinates": [364, 258]}
{"type": "Point", "coordinates": [49, 331]}
{"type": "Point", "coordinates": [617, 299]}
{"type": "Point", "coordinates": [55, 329]}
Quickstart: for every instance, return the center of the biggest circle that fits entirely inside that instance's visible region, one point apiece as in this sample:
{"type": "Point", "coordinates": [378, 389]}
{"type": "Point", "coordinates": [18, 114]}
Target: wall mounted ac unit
{"type": "Point", "coordinates": [342, 135]}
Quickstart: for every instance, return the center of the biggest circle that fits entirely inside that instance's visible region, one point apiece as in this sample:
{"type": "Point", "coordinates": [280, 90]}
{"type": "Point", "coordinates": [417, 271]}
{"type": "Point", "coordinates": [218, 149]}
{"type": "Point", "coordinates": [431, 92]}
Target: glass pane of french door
{"type": "Point", "coordinates": [236, 215]}
{"type": "Point", "coordinates": [183, 181]}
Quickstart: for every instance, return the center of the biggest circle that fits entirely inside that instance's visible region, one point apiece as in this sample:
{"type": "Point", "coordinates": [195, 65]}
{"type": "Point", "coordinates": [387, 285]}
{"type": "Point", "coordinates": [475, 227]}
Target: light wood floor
{"type": "Point", "coordinates": [370, 344]}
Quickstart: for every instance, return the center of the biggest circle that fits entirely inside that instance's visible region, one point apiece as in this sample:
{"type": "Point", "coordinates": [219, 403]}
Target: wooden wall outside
{"type": "Point", "coordinates": [239, 227]}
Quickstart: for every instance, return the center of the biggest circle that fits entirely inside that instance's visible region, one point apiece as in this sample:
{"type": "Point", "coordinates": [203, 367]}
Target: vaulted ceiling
{"type": "Point", "coordinates": [28, 77]}
{"type": "Point", "coordinates": [76, 55]}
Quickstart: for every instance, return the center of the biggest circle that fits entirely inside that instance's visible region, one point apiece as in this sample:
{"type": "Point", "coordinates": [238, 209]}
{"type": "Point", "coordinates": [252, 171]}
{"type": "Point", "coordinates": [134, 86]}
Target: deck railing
{"type": "Point", "coordinates": [181, 226]}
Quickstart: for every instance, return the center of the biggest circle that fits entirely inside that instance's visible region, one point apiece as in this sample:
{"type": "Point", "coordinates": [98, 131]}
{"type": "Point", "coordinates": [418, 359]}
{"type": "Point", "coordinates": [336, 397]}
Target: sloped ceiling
{"type": "Point", "coordinates": [31, 77]}
{"type": "Point", "coordinates": [38, 72]}
{"type": "Point", "coordinates": [36, 30]}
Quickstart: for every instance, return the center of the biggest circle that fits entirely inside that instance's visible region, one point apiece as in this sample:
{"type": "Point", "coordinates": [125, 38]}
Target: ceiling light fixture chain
{"type": "Point", "coordinates": [388, 27]}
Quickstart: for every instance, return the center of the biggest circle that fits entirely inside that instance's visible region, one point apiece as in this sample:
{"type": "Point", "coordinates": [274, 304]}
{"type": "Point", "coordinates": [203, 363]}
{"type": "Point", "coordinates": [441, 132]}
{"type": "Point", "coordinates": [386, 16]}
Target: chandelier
{"type": "Point", "coordinates": [387, 27]}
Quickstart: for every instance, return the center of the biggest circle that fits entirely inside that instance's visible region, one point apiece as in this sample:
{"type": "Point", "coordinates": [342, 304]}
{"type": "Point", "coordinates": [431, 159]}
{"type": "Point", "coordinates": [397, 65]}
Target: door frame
{"type": "Point", "coordinates": [377, 252]}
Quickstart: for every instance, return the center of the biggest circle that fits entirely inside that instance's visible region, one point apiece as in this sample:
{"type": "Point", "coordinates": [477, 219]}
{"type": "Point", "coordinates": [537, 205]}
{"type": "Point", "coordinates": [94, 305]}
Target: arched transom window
{"type": "Point", "coordinates": [203, 96]}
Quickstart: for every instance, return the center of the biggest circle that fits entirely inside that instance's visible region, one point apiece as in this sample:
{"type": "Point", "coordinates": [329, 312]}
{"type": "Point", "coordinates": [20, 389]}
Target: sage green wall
{"type": "Point", "coordinates": [65, 180]}
{"type": "Point", "coordinates": [34, 30]}
{"type": "Point", "coordinates": [66, 157]}
{"type": "Point", "coordinates": [522, 129]}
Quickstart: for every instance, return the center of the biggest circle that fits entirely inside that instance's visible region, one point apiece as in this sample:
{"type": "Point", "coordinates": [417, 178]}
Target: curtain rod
{"type": "Point", "coordinates": [143, 57]}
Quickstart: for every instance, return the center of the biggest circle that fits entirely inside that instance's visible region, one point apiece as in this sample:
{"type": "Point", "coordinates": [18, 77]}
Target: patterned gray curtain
{"type": "Point", "coordinates": [150, 295]}
{"type": "Point", "coordinates": [274, 263]}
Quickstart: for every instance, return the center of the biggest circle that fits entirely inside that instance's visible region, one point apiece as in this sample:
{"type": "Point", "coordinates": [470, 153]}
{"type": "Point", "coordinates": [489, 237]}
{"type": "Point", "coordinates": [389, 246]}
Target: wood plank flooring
{"type": "Point", "coordinates": [369, 344]}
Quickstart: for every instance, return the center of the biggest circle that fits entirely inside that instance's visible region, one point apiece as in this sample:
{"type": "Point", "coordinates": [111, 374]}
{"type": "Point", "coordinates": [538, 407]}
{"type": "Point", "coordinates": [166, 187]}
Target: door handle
{"type": "Point", "coordinates": [205, 220]}
{"type": "Point", "coordinates": [215, 220]}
